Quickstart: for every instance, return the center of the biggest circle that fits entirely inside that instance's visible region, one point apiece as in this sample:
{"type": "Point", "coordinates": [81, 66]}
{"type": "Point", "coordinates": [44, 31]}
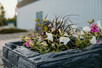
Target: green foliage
{"type": "Point", "coordinates": [37, 20]}
{"type": "Point", "coordinates": [91, 21]}
{"type": "Point", "coordinates": [57, 37]}
{"type": "Point", "coordinates": [82, 43]}
{"type": "Point", "coordinates": [11, 30]}
{"type": "Point", "coordinates": [2, 16]}
{"type": "Point", "coordinates": [45, 28]}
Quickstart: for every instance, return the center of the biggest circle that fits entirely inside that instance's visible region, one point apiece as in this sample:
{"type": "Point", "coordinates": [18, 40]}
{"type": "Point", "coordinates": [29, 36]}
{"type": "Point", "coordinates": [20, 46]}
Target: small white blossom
{"type": "Point", "coordinates": [39, 39]}
{"type": "Point", "coordinates": [74, 30]}
{"type": "Point", "coordinates": [49, 36]}
{"type": "Point", "coordinates": [65, 34]}
{"type": "Point", "coordinates": [64, 39]}
{"type": "Point", "coordinates": [44, 43]}
{"type": "Point", "coordinates": [53, 29]}
{"type": "Point", "coordinates": [86, 29]}
{"type": "Point", "coordinates": [93, 40]}
{"type": "Point", "coordinates": [81, 33]}
{"type": "Point", "coordinates": [74, 27]}
{"type": "Point", "coordinates": [75, 35]}
{"type": "Point", "coordinates": [71, 32]}
{"type": "Point", "coordinates": [99, 24]}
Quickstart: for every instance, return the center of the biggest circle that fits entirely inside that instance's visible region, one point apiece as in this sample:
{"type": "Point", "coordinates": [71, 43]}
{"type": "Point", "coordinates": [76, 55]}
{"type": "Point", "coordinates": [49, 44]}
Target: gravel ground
{"type": "Point", "coordinates": [4, 38]}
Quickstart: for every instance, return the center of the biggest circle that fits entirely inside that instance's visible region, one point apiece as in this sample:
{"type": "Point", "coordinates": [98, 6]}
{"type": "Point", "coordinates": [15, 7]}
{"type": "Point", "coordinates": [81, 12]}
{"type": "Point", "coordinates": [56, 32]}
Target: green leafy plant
{"type": "Point", "coordinates": [60, 35]}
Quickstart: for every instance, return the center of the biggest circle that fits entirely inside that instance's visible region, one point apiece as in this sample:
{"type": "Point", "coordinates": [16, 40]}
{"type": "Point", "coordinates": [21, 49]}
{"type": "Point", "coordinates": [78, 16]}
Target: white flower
{"type": "Point", "coordinates": [53, 29]}
{"type": "Point", "coordinates": [75, 35]}
{"type": "Point", "coordinates": [74, 27]}
{"type": "Point", "coordinates": [65, 34]}
{"type": "Point", "coordinates": [64, 39]}
{"type": "Point", "coordinates": [39, 39]}
{"type": "Point", "coordinates": [81, 33]}
{"type": "Point", "coordinates": [86, 29]}
{"type": "Point", "coordinates": [71, 32]}
{"type": "Point", "coordinates": [99, 24]}
{"type": "Point", "coordinates": [50, 37]}
{"type": "Point", "coordinates": [44, 43]}
{"type": "Point", "coordinates": [93, 40]}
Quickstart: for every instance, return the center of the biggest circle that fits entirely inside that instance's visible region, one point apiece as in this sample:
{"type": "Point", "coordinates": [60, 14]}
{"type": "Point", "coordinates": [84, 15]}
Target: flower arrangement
{"type": "Point", "coordinates": [59, 36]}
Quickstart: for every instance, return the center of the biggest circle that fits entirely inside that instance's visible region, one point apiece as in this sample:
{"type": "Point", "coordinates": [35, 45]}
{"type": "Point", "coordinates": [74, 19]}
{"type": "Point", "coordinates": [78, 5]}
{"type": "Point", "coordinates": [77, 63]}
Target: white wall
{"type": "Point", "coordinates": [87, 9]}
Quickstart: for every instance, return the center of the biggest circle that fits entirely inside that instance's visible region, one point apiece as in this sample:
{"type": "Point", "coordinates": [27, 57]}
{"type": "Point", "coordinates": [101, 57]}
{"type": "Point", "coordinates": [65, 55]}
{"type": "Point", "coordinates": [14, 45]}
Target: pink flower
{"type": "Point", "coordinates": [94, 28]}
{"type": "Point", "coordinates": [32, 35]}
{"type": "Point", "coordinates": [93, 25]}
{"type": "Point", "coordinates": [27, 44]}
{"type": "Point", "coordinates": [30, 40]}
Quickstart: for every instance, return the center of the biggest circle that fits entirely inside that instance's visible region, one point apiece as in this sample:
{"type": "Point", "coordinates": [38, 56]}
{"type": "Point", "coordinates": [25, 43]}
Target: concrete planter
{"type": "Point", "coordinates": [17, 56]}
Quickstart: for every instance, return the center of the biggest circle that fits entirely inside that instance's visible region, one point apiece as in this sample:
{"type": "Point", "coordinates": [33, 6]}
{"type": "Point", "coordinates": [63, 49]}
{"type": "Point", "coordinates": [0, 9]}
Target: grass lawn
{"type": "Point", "coordinates": [11, 30]}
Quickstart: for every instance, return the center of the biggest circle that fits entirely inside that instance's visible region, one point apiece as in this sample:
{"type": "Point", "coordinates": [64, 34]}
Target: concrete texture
{"type": "Point", "coordinates": [17, 56]}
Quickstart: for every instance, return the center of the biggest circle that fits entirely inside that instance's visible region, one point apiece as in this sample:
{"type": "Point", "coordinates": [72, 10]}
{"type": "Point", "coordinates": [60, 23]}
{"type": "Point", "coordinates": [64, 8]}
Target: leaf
{"type": "Point", "coordinates": [92, 20]}
{"type": "Point", "coordinates": [29, 34]}
{"type": "Point", "coordinates": [46, 45]}
{"type": "Point", "coordinates": [45, 28]}
{"type": "Point", "coordinates": [58, 51]}
{"type": "Point", "coordinates": [22, 36]}
{"type": "Point", "coordinates": [39, 25]}
{"type": "Point", "coordinates": [45, 19]}
{"type": "Point", "coordinates": [37, 20]}
{"type": "Point", "coordinates": [42, 24]}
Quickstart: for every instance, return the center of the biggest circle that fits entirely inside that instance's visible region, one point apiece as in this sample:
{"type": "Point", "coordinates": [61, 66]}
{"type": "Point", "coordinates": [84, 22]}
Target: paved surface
{"type": "Point", "coordinates": [2, 43]}
{"type": "Point", "coordinates": [4, 38]}
{"type": "Point", "coordinates": [12, 36]}
{"type": "Point", "coordinates": [1, 63]}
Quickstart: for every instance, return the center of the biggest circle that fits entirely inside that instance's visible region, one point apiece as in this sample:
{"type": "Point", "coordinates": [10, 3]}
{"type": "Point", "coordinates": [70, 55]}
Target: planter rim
{"type": "Point", "coordinates": [52, 56]}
